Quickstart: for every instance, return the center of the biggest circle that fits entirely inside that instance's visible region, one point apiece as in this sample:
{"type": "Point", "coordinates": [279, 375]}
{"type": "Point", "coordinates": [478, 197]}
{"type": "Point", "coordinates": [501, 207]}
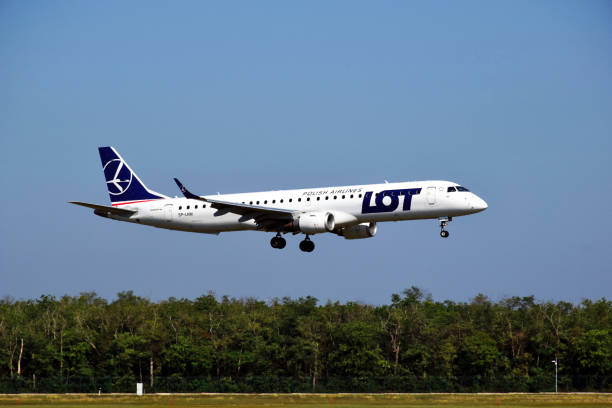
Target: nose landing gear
{"type": "Point", "coordinates": [443, 221]}
{"type": "Point", "coordinates": [278, 242]}
{"type": "Point", "coordinates": [307, 245]}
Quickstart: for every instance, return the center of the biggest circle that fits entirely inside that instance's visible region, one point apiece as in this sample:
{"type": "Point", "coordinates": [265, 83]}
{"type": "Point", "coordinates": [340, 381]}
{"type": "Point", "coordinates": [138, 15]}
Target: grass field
{"type": "Point", "coordinates": [310, 400]}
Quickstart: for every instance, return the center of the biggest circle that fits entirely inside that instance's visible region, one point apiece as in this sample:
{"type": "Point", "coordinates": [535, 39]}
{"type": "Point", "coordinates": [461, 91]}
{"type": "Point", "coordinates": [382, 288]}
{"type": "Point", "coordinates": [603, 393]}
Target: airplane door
{"type": "Point", "coordinates": [168, 212]}
{"type": "Point", "coordinates": [431, 195]}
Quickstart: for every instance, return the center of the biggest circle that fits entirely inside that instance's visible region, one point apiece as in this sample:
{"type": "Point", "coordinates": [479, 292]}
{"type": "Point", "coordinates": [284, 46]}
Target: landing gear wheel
{"type": "Point", "coordinates": [278, 242]}
{"type": "Point", "coordinates": [444, 234]}
{"type": "Point", "coordinates": [307, 245]}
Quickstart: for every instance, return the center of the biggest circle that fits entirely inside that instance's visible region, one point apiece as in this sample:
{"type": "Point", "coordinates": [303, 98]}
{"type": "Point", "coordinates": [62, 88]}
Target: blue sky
{"type": "Point", "coordinates": [512, 99]}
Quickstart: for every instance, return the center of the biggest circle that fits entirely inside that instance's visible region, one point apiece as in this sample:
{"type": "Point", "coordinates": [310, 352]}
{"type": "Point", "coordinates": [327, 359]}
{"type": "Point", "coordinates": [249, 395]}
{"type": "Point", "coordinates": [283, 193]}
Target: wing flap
{"type": "Point", "coordinates": [247, 209]}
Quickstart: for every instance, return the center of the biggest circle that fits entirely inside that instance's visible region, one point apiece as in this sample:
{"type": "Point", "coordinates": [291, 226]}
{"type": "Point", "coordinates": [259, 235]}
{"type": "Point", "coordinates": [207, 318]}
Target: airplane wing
{"type": "Point", "coordinates": [104, 208]}
{"type": "Point", "coordinates": [266, 218]}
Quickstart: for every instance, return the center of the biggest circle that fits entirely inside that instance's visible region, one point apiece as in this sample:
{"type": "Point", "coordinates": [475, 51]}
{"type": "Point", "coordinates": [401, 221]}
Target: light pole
{"type": "Point", "coordinates": [555, 363]}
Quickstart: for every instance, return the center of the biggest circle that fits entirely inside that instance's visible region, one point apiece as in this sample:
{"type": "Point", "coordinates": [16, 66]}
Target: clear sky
{"type": "Point", "coordinates": [511, 99]}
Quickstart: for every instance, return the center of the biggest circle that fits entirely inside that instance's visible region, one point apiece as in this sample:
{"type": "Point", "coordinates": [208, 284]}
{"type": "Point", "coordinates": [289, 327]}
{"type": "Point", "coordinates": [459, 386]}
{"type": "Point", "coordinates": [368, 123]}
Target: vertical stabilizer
{"type": "Point", "coordinates": [123, 184]}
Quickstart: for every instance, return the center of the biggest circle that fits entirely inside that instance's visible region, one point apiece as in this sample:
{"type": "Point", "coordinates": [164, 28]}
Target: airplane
{"type": "Point", "coordinates": [348, 211]}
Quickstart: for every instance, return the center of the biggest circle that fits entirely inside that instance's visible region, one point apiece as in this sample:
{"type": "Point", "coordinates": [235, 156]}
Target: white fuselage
{"type": "Point", "coordinates": [350, 205]}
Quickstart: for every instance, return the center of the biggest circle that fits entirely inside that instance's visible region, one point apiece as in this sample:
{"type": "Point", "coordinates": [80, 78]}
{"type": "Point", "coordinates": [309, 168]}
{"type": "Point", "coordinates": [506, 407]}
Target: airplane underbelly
{"type": "Point", "coordinates": [225, 222]}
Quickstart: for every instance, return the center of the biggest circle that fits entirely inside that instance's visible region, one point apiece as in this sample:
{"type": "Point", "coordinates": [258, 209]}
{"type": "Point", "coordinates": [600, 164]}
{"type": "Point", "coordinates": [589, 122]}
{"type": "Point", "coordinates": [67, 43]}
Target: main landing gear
{"type": "Point", "coordinates": [443, 221]}
{"type": "Point", "coordinates": [278, 242]}
{"type": "Point", "coordinates": [307, 245]}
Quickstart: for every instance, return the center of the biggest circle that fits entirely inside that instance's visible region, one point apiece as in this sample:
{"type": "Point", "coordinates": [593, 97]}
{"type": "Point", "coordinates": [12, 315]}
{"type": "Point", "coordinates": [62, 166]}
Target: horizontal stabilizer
{"type": "Point", "coordinates": [104, 208]}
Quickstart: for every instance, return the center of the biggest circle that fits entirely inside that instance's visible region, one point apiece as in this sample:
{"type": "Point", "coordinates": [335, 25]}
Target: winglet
{"type": "Point", "coordinates": [186, 192]}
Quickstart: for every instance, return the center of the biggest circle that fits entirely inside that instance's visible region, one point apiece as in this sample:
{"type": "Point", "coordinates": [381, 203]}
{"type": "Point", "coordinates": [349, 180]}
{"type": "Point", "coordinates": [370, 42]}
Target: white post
{"type": "Point", "coordinates": [138, 388]}
{"type": "Point", "coordinates": [555, 363]}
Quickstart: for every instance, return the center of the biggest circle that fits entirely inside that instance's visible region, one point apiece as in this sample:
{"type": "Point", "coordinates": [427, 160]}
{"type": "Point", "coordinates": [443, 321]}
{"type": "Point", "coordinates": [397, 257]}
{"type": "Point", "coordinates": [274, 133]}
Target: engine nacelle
{"type": "Point", "coordinates": [359, 231]}
{"type": "Point", "coordinates": [315, 222]}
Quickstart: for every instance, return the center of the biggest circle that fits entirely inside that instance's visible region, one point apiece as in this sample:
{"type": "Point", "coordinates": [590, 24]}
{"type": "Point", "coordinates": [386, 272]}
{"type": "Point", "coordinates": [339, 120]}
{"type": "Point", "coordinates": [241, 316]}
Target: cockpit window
{"type": "Point", "coordinates": [459, 188]}
{"type": "Point", "coordinates": [450, 189]}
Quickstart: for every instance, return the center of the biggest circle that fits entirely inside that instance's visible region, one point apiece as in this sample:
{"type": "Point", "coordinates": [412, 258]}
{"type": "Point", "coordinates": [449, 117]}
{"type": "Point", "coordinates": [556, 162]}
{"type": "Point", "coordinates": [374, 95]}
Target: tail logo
{"type": "Point", "coordinates": [118, 176]}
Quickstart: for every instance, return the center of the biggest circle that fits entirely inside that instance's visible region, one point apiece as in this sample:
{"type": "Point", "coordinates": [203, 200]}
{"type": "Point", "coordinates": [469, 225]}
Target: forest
{"type": "Point", "coordinates": [86, 343]}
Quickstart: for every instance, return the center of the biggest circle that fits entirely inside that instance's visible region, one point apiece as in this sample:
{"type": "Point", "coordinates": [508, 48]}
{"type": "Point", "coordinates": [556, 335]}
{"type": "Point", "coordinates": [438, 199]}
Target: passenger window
{"type": "Point", "coordinates": [273, 201]}
{"type": "Point", "coordinates": [308, 199]}
{"type": "Point", "coordinates": [250, 203]}
{"type": "Point", "coordinates": [180, 207]}
{"type": "Point", "coordinates": [318, 198]}
{"type": "Point", "coordinates": [196, 207]}
{"type": "Point", "coordinates": [359, 195]}
{"type": "Point", "coordinates": [258, 203]}
{"type": "Point", "coordinates": [291, 200]}
{"type": "Point", "coordinates": [300, 199]}
{"type": "Point", "coordinates": [187, 207]}
{"type": "Point", "coordinates": [281, 200]}
{"type": "Point", "coordinates": [351, 196]}
{"type": "Point", "coordinates": [335, 197]}
{"type": "Point", "coordinates": [343, 197]}
{"type": "Point", "coordinates": [204, 206]}
{"type": "Point", "coordinates": [327, 197]}
{"type": "Point", "coordinates": [450, 189]}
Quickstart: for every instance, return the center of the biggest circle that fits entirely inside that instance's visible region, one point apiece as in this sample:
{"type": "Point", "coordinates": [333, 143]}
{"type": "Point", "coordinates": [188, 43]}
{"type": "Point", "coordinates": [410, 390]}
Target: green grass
{"type": "Point", "coordinates": [309, 400]}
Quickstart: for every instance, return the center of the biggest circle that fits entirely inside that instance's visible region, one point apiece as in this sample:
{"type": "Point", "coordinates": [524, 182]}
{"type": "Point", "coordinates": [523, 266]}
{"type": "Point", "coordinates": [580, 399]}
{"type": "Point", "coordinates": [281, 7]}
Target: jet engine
{"type": "Point", "coordinates": [315, 222]}
{"type": "Point", "coordinates": [359, 231]}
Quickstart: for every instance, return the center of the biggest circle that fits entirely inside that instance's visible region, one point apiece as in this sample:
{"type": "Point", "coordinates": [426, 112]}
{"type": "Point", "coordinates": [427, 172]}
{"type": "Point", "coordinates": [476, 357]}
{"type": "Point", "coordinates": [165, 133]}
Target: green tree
{"type": "Point", "coordinates": [595, 352]}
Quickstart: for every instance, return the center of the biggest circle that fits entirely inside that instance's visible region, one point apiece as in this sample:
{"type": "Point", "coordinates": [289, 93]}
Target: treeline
{"type": "Point", "coordinates": [414, 343]}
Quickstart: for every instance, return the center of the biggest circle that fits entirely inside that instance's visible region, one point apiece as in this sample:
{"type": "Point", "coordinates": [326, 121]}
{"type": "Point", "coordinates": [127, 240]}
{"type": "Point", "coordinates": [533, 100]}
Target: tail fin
{"type": "Point", "coordinates": [123, 184]}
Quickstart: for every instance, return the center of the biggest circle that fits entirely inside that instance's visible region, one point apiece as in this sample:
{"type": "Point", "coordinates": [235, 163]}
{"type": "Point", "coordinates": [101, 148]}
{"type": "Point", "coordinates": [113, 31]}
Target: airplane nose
{"type": "Point", "coordinates": [479, 204]}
